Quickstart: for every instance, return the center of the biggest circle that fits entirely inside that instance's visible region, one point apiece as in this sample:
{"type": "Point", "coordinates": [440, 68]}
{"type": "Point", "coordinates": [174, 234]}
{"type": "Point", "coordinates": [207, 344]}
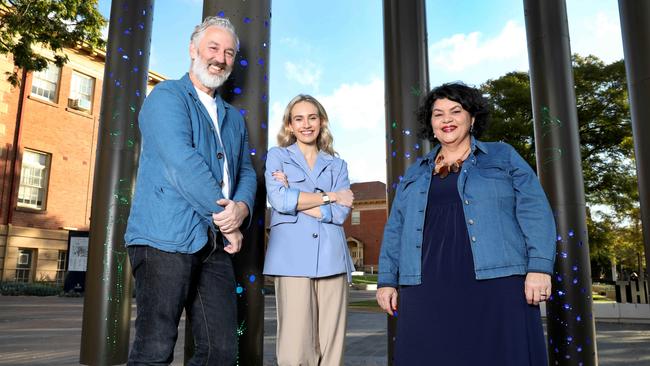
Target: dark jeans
{"type": "Point", "coordinates": [166, 283]}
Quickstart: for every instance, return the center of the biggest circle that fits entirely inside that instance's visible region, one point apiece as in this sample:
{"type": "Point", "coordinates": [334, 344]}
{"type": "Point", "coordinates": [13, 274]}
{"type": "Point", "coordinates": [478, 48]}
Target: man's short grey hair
{"type": "Point", "coordinates": [214, 21]}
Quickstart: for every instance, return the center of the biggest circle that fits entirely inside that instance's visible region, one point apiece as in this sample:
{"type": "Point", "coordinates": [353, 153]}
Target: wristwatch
{"type": "Point", "coordinates": [326, 198]}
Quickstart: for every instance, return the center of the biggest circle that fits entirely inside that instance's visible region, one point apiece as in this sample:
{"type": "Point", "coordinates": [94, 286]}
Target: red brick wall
{"type": "Point", "coordinates": [9, 96]}
{"type": "Point", "coordinates": [70, 137]}
{"type": "Point", "coordinates": [370, 232]}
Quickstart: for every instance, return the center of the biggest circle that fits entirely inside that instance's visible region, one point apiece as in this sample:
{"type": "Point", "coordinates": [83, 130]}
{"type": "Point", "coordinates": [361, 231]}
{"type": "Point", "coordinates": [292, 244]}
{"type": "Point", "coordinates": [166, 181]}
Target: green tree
{"type": "Point", "coordinates": [52, 24]}
{"type": "Point", "coordinates": [606, 148]}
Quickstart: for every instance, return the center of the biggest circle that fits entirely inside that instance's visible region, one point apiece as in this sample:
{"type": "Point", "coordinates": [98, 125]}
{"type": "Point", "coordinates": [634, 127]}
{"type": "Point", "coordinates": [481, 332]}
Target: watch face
{"type": "Point", "coordinates": [326, 198]}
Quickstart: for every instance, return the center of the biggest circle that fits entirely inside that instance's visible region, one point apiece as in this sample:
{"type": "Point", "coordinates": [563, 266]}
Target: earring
{"type": "Point", "coordinates": [471, 129]}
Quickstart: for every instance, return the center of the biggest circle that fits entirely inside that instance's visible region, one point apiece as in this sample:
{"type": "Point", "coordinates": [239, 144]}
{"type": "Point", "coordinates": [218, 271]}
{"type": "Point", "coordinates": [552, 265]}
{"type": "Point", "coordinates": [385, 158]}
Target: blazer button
{"type": "Point", "coordinates": [471, 222]}
{"type": "Point", "coordinates": [314, 235]}
{"type": "Point", "coordinates": [219, 155]}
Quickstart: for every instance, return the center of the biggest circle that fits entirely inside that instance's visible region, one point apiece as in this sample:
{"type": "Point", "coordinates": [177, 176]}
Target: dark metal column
{"type": "Point", "coordinates": [571, 331]}
{"type": "Point", "coordinates": [635, 29]}
{"type": "Point", "coordinates": [247, 89]}
{"type": "Point", "coordinates": [406, 82]}
{"type": "Point", "coordinates": [107, 300]}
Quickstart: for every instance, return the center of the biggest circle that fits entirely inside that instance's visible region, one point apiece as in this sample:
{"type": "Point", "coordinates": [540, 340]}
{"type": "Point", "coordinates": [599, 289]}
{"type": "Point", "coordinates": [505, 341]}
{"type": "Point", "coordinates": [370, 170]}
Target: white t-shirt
{"type": "Point", "coordinates": [211, 105]}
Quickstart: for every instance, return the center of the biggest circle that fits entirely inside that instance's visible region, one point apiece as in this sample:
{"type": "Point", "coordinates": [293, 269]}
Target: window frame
{"type": "Point", "coordinates": [45, 182]}
{"type": "Point", "coordinates": [57, 84]}
{"type": "Point", "coordinates": [355, 217]}
{"type": "Point", "coordinates": [61, 266]}
{"type": "Point", "coordinates": [75, 91]}
{"type": "Point", "coordinates": [26, 269]}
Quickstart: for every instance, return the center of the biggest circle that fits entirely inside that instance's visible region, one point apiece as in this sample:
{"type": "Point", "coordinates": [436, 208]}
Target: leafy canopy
{"type": "Point", "coordinates": [606, 148]}
{"type": "Point", "coordinates": [52, 24]}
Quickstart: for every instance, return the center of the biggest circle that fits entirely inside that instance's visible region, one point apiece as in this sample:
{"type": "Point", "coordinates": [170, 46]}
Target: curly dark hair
{"type": "Point", "coordinates": [470, 98]}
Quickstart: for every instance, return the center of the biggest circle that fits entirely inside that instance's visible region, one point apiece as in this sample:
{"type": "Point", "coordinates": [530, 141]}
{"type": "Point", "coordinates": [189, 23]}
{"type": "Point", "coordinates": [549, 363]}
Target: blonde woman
{"type": "Point", "coordinates": [309, 191]}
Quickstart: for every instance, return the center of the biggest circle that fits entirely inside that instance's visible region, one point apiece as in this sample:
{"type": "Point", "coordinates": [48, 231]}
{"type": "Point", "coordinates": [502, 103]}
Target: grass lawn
{"type": "Point", "coordinates": [364, 280]}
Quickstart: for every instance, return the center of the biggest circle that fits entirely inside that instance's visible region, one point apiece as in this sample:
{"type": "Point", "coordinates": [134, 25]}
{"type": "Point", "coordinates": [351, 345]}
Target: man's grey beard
{"type": "Point", "coordinates": [200, 70]}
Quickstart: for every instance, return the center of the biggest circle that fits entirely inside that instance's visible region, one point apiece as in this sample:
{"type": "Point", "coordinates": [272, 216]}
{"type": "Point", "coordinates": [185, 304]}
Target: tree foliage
{"type": "Point", "coordinates": [52, 24]}
{"type": "Point", "coordinates": [606, 148]}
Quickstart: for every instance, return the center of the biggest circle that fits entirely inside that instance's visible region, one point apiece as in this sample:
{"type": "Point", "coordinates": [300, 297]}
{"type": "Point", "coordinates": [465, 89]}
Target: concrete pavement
{"type": "Point", "coordinates": [47, 331]}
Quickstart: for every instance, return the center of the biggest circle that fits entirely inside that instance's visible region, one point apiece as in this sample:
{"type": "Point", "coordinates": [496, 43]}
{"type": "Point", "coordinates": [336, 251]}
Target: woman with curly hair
{"type": "Point", "coordinates": [470, 243]}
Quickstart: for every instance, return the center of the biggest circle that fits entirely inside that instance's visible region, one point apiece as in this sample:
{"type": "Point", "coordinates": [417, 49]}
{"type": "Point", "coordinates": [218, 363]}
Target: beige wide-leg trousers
{"type": "Point", "coordinates": [312, 315]}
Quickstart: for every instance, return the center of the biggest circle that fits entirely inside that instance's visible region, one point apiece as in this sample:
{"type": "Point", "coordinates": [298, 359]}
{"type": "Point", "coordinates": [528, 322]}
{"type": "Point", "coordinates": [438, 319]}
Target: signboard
{"type": "Point", "coordinates": [78, 253]}
{"type": "Point", "coordinates": [77, 261]}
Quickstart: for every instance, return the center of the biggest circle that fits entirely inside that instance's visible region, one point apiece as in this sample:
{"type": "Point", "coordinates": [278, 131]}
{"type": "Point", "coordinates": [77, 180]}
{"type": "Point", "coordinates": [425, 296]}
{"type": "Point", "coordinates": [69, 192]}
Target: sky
{"type": "Point", "coordinates": [333, 50]}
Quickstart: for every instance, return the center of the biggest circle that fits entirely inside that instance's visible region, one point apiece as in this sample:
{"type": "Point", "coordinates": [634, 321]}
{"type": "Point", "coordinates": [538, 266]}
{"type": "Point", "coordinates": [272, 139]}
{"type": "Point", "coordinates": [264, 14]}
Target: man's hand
{"type": "Point", "coordinates": [232, 216]}
{"type": "Point", "coordinates": [234, 239]}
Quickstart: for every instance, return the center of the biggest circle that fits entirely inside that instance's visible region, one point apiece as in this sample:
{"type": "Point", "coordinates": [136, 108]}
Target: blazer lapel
{"type": "Point", "coordinates": [322, 162]}
{"type": "Point", "coordinates": [298, 158]}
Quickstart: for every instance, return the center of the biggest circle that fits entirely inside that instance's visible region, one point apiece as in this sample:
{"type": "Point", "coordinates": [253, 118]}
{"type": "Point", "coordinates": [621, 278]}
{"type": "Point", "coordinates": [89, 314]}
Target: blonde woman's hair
{"type": "Point", "coordinates": [325, 141]}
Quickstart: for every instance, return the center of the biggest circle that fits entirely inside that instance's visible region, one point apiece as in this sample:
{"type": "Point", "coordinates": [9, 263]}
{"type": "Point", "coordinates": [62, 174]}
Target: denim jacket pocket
{"type": "Point", "coordinates": [407, 185]}
{"type": "Point", "coordinates": [494, 170]}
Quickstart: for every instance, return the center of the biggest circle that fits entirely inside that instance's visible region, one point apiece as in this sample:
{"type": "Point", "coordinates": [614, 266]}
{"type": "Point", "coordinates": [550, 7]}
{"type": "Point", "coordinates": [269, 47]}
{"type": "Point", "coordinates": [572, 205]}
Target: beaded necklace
{"type": "Point", "coordinates": [444, 169]}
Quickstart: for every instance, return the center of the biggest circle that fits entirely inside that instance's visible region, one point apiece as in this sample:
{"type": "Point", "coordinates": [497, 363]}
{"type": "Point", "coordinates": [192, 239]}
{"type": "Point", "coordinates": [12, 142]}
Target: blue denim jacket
{"type": "Point", "coordinates": [509, 220]}
{"type": "Point", "coordinates": [181, 168]}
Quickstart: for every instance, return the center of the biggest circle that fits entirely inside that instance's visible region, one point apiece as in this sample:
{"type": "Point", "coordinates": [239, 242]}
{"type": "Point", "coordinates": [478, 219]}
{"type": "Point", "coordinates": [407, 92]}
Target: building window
{"type": "Point", "coordinates": [24, 265]}
{"type": "Point", "coordinates": [356, 218]}
{"type": "Point", "coordinates": [60, 266]}
{"type": "Point", "coordinates": [45, 83]}
{"type": "Point", "coordinates": [81, 92]}
{"type": "Point", "coordinates": [33, 180]}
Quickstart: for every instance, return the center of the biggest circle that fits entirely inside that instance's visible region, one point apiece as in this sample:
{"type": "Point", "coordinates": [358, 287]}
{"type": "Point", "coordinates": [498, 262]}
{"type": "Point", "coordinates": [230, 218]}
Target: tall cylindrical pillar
{"type": "Point", "coordinates": [107, 300]}
{"type": "Point", "coordinates": [635, 29]}
{"type": "Point", "coordinates": [248, 90]}
{"type": "Point", "coordinates": [570, 322]}
{"type": "Point", "coordinates": [406, 82]}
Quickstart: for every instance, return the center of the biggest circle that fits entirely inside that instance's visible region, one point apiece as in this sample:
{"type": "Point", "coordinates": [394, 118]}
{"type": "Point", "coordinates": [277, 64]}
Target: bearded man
{"type": "Point", "coordinates": [195, 187]}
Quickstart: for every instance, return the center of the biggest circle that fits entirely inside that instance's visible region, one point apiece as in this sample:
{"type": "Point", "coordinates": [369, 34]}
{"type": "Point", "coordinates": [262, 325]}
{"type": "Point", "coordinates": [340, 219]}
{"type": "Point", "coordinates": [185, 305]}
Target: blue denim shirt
{"type": "Point", "coordinates": [509, 220]}
{"type": "Point", "coordinates": [181, 168]}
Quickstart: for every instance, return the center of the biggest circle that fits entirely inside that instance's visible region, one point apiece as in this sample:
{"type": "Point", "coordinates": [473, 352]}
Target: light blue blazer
{"type": "Point", "coordinates": [301, 245]}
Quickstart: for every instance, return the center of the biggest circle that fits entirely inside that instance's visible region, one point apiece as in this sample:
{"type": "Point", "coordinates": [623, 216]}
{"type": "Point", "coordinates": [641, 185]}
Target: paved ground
{"type": "Point", "coordinates": [47, 331]}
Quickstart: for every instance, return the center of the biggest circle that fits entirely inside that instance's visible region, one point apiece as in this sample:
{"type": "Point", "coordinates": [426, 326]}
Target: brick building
{"type": "Point", "coordinates": [364, 227]}
{"type": "Point", "coordinates": [45, 189]}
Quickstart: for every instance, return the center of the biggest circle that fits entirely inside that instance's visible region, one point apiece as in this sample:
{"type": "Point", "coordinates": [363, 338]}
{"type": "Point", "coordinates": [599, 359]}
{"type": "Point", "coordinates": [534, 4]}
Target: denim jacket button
{"type": "Point", "coordinates": [473, 238]}
{"type": "Point", "coordinates": [219, 155]}
{"type": "Point", "coordinates": [471, 222]}
{"type": "Point", "coordinates": [314, 235]}
{"type": "Point", "coordinates": [466, 202]}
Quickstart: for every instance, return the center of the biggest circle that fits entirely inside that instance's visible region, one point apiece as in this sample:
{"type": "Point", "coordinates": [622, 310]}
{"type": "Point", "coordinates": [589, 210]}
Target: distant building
{"type": "Point", "coordinates": [46, 183]}
{"type": "Point", "coordinates": [364, 227]}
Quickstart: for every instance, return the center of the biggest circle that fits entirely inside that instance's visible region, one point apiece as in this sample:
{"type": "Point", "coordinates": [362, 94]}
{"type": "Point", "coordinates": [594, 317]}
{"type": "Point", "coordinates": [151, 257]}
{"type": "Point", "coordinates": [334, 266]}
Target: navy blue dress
{"type": "Point", "coordinates": [453, 319]}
